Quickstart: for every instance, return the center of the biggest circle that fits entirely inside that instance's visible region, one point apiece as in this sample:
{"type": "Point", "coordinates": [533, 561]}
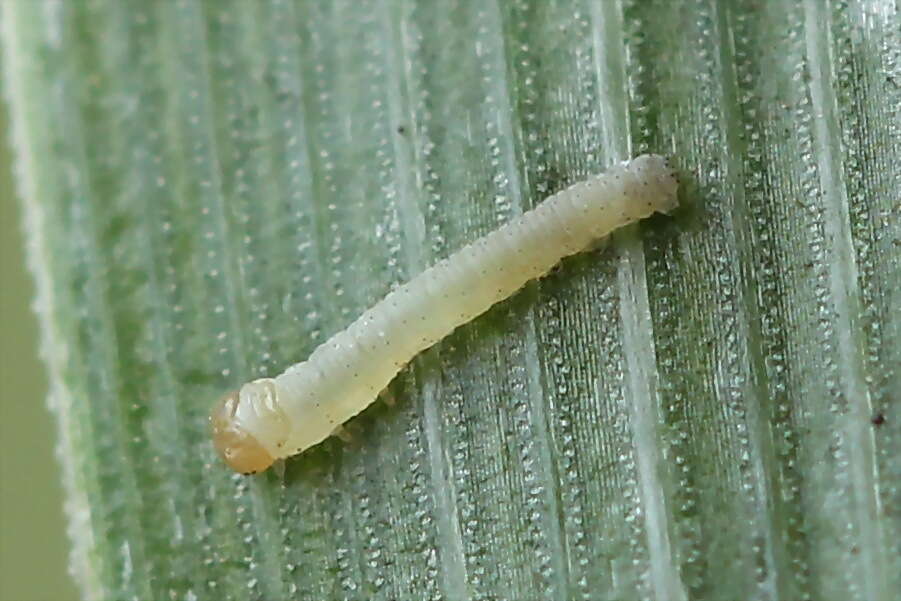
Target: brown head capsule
{"type": "Point", "coordinates": [238, 448]}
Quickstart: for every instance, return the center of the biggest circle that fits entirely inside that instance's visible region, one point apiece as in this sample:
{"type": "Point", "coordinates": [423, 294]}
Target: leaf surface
{"type": "Point", "coordinates": [707, 408]}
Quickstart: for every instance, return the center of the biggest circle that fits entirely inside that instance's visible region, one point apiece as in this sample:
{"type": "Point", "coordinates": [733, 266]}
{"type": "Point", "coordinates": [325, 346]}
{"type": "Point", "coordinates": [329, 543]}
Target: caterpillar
{"type": "Point", "coordinates": [273, 418]}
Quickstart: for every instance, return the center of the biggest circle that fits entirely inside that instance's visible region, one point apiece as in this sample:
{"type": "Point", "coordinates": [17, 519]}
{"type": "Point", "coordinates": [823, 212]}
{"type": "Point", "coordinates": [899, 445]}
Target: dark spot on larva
{"type": "Point", "coordinates": [878, 419]}
{"type": "Point", "coordinates": [401, 129]}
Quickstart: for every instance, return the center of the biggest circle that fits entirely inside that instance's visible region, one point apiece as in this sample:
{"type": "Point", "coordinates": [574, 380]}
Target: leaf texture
{"type": "Point", "coordinates": [708, 408]}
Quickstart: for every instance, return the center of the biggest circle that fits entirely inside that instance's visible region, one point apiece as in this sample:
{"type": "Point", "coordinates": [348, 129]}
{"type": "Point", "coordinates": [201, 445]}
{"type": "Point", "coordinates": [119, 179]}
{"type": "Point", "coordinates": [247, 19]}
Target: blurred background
{"type": "Point", "coordinates": [33, 544]}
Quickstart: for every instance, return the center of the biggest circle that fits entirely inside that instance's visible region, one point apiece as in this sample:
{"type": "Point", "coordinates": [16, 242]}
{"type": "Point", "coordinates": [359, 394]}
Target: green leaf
{"type": "Point", "coordinates": [706, 409]}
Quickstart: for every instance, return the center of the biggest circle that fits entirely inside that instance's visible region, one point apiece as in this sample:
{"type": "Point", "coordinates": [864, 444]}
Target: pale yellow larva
{"type": "Point", "coordinates": [272, 418]}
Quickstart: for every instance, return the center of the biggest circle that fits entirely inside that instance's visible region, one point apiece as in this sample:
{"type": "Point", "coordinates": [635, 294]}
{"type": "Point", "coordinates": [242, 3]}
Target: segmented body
{"type": "Point", "coordinates": [272, 418]}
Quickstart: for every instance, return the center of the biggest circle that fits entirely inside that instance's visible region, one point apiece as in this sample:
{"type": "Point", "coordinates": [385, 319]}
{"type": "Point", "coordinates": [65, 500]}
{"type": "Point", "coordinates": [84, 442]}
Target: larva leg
{"type": "Point", "coordinates": [387, 395]}
{"type": "Point", "coordinates": [342, 433]}
{"type": "Point", "coordinates": [599, 244]}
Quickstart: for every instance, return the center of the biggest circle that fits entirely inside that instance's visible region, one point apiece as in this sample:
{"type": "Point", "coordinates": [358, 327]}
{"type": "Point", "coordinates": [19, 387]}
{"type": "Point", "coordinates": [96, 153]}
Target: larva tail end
{"type": "Point", "coordinates": [239, 449]}
{"type": "Point", "coordinates": [661, 174]}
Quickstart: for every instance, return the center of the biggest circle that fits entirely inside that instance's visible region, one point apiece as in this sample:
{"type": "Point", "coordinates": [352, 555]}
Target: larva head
{"type": "Point", "coordinates": [237, 447]}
